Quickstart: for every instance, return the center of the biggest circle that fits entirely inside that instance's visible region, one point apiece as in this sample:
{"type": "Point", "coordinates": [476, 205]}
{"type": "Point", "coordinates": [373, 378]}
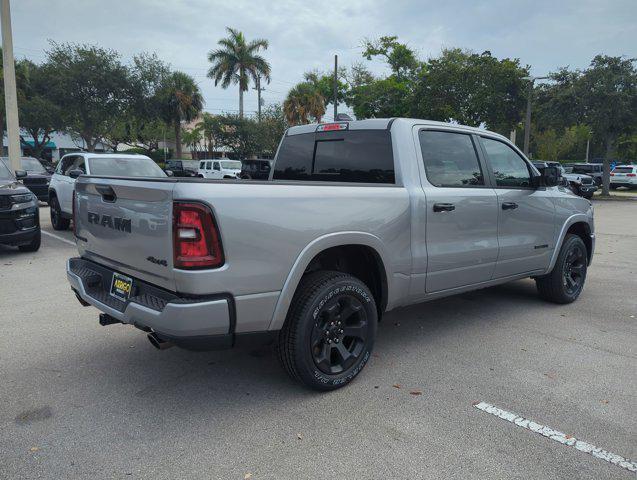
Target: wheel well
{"type": "Point", "coordinates": [362, 262]}
{"type": "Point", "coordinates": [583, 230]}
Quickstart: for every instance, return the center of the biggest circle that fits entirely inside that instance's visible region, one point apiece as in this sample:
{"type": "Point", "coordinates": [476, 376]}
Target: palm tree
{"type": "Point", "coordinates": [237, 61]}
{"type": "Point", "coordinates": [303, 104]}
{"type": "Point", "coordinates": [182, 101]}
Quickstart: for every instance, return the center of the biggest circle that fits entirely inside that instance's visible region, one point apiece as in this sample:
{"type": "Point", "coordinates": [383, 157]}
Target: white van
{"type": "Point", "coordinates": [219, 169]}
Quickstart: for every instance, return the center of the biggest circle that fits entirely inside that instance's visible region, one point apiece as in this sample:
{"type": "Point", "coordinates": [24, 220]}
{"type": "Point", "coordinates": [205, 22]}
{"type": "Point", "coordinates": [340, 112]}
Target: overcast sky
{"type": "Point", "coordinates": [305, 35]}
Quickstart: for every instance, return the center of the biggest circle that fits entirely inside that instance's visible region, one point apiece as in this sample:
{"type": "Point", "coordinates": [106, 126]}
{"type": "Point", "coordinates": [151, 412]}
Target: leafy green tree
{"type": "Point", "coordinates": [603, 97]}
{"type": "Point", "coordinates": [181, 101]}
{"type": "Point", "coordinates": [400, 58]}
{"type": "Point", "coordinates": [212, 131]}
{"type": "Point", "coordinates": [141, 124]}
{"type": "Point", "coordinates": [92, 87]}
{"type": "Point", "coordinates": [608, 90]}
{"type": "Point", "coordinates": [192, 139]}
{"type": "Point", "coordinates": [272, 127]}
{"type": "Point", "coordinates": [304, 104]}
{"type": "Point", "coordinates": [324, 84]}
{"type": "Point", "coordinates": [554, 145]}
{"type": "Point", "coordinates": [381, 98]}
{"type": "Point", "coordinates": [38, 114]}
{"type": "Point", "coordinates": [241, 135]}
{"type": "Point", "coordinates": [472, 89]}
{"type": "Point", "coordinates": [238, 61]}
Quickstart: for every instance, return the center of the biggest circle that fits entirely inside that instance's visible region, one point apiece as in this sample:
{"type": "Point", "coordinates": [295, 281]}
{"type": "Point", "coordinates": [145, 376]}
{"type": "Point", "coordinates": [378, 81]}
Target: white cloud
{"type": "Point", "coordinates": [305, 35]}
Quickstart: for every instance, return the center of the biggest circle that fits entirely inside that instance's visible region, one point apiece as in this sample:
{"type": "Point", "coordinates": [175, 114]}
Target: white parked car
{"type": "Point", "coordinates": [624, 176]}
{"type": "Point", "coordinates": [73, 165]}
{"type": "Point", "coordinates": [219, 169]}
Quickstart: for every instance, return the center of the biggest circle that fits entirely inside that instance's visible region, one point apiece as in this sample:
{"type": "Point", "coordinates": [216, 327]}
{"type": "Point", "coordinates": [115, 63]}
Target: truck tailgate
{"type": "Point", "coordinates": [127, 225]}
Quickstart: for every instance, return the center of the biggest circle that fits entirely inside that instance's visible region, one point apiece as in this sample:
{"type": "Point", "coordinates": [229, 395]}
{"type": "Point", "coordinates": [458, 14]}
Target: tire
{"type": "Point", "coordinates": [57, 220]}
{"type": "Point", "coordinates": [566, 281]}
{"type": "Point", "coordinates": [313, 342]}
{"type": "Point", "coordinates": [34, 246]}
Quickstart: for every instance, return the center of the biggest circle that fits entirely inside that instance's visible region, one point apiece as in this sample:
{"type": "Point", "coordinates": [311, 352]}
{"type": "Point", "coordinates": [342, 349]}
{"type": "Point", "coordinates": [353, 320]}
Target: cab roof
{"type": "Point", "coordinates": [385, 124]}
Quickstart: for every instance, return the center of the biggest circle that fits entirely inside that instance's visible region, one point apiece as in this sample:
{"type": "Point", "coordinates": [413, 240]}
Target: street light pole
{"type": "Point", "coordinates": [10, 91]}
{"type": "Point", "coordinates": [335, 86]}
{"type": "Point", "coordinates": [527, 122]}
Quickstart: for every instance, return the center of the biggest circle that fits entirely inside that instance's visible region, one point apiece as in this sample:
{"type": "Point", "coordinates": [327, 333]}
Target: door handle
{"type": "Point", "coordinates": [509, 206]}
{"type": "Point", "coordinates": [444, 207]}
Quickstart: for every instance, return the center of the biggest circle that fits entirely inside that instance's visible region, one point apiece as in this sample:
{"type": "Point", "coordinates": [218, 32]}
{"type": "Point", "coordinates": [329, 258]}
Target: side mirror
{"type": "Point", "coordinates": [551, 176]}
{"type": "Point", "coordinates": [20, 174]}
{"type": "Point", "coordinates": [75, 173]}
{"type": "Point", "coordinates": [169, 173]}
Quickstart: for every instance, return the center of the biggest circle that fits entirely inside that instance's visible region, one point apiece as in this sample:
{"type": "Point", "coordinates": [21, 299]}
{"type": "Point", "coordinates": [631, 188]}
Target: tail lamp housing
{"type": "Point", "coordinates": [196, 240]}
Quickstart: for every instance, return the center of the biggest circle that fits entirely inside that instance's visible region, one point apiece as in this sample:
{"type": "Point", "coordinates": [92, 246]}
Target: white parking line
{"type": "Point", "coordinates": [558, 436]}
{"type": "Point", "coordinates": [57, 237]}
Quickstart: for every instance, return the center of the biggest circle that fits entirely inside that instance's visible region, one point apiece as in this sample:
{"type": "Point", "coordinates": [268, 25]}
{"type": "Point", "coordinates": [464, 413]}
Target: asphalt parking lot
{"type": "Point", "coordinates": [78, 400]}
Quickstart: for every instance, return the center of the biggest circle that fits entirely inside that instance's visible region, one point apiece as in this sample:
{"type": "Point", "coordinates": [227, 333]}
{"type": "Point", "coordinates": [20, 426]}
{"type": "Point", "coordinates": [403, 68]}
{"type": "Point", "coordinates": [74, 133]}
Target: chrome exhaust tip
{"type": "Point", "coordinates": [159, 343]}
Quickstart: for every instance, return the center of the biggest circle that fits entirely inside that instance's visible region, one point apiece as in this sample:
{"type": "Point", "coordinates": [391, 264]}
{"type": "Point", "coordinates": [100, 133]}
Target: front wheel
{"type": "Point", "coordinates": [566, 281]}
{"type": "Point", "coordinates": [329, 333]}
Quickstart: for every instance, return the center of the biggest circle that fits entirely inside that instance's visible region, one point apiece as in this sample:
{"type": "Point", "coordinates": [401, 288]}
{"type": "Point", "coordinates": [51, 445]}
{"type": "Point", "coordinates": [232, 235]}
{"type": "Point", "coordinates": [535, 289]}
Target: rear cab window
{"type": "Point", "coordinates": [357, 156]}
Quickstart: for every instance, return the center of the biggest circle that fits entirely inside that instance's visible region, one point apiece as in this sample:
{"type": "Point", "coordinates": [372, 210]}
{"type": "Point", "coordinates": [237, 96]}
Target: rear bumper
{"type": "Point", "coordinates": [197, 323]}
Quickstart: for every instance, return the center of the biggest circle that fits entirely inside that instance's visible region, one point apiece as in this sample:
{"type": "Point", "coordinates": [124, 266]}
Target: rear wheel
{"type": "Point", "coordinates": [57, 220]}
{"type": "Point", "coordinates": [566, 281]}
{"type": "Point", "coordinates": [329, 334]}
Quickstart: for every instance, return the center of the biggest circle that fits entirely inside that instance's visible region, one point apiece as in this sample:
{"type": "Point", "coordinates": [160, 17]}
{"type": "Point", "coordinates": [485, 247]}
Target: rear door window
{"type": "Point", "coordinates": [450, 159]}
{"type": "Point", "coordinates": [360, 156]}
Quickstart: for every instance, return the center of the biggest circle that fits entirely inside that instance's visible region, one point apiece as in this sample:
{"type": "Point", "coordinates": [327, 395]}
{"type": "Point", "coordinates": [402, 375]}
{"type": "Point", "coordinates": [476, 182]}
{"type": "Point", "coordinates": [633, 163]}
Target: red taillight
{"type": "Point", "coordinates": [631, 174]}
{"type": "Point", "coordinates": [196, 242]}
{"type": "Point", "coordinates": [612, 174]}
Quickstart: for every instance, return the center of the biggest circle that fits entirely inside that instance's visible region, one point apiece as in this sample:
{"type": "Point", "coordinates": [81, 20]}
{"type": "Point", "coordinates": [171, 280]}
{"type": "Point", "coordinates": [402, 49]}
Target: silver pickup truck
{"type": "Point", "coordinates": [357, 218]}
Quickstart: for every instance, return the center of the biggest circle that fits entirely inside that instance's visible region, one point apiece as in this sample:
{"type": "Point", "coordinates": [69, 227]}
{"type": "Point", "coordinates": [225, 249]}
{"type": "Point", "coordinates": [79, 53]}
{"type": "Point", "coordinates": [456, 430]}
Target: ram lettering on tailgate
{"type": "Point", "coordinates": [114, 223]}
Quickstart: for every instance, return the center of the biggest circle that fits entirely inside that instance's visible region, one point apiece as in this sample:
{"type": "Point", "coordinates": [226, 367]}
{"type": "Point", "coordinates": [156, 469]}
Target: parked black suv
{"type": "Point", "coordinates": [37, 179]}
{"type": "Point", "coordinates": [19, 213]}
{"type": "Point", "coordinates": [182, 168]}
{"type": "Point", "coordinates": [256, 169]}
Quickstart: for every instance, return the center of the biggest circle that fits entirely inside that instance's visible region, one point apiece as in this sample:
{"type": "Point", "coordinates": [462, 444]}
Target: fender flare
{"type": "Point", "coordinates": [310, 251]}
{"type": "Point", "coordinates": [577, 218]}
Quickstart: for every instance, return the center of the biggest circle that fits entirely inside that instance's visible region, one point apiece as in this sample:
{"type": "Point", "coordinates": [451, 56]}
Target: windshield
{"type": "Point", "coordinates": [231, 164]}
{"type": "Point", "coordinates": [124, 167]}
{"type": "Point", "coordinates": [5, 173]}
{"type": "Point", "coordinates": [32, 165]}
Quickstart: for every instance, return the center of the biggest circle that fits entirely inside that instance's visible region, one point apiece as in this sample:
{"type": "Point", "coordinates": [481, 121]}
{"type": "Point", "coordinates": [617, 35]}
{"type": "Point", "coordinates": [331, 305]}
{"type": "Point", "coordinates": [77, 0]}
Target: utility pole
{"type": "Point", "coordinates": [335, 86]}
{"type": "Point", "coordinates": [10, 91]}
{"type": "Point", "coordinates": [527, 122]}
{"type": "Point", "coordinates": [259, 90]}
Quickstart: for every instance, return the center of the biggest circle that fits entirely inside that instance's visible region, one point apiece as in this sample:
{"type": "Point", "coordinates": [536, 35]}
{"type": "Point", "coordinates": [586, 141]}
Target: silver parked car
{"type": "Point", "coordinates": [359, 218]}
